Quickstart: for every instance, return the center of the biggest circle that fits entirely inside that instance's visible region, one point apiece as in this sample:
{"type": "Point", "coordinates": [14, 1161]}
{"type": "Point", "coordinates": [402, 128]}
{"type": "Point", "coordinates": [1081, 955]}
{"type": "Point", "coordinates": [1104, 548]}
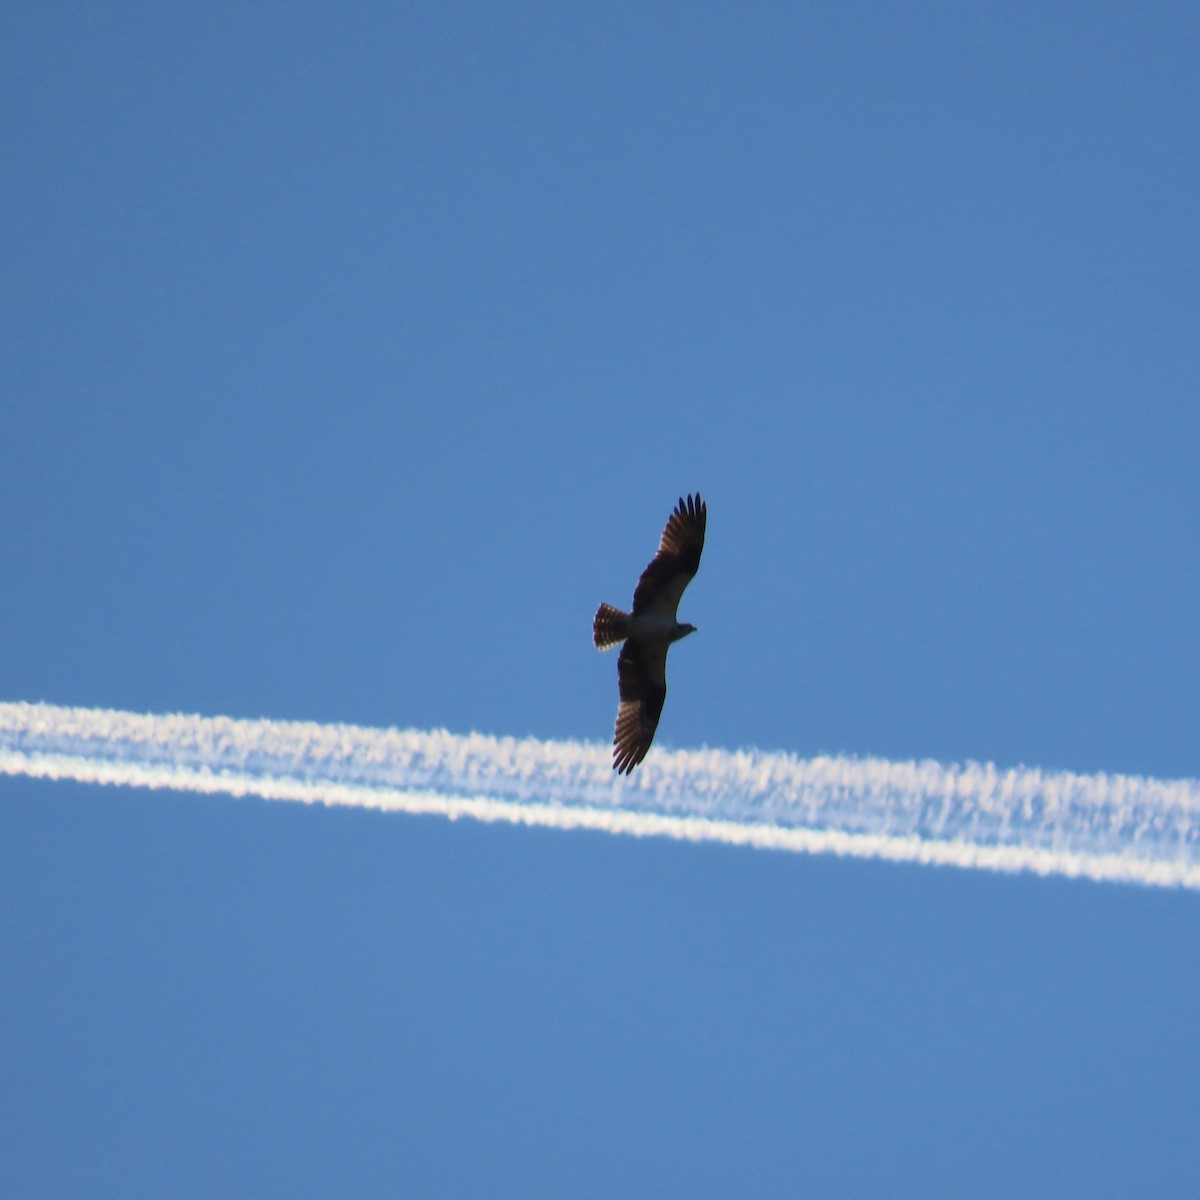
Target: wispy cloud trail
{"type": "Point", "coordinates": [1104, 827]}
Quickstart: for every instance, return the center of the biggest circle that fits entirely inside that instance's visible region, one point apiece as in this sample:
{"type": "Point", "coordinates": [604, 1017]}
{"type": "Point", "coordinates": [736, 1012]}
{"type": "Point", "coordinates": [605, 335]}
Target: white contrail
{"type": "Point", "coordinates": [1104, 827]}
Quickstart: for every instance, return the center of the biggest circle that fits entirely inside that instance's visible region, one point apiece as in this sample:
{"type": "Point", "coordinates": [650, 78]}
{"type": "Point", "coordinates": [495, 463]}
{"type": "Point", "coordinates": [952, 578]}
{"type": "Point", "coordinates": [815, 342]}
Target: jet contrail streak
{"type": "Point", "coordinates": [1103, 827]}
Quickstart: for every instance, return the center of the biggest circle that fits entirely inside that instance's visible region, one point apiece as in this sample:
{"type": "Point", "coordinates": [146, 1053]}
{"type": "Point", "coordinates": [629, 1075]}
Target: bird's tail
{"type": "Point", "coordinates": [610, 626]}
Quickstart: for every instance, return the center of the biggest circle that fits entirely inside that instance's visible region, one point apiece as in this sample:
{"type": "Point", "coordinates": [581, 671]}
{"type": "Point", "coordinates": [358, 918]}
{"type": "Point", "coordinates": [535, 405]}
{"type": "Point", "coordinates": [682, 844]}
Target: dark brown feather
{"type": "Point", "coordinates": [677, 561]}
{"type": "Point", "coordinates": [642, 677]}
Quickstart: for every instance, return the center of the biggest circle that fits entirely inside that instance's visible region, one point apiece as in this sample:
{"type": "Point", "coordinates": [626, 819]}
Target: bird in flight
{"type": "Point", "coordinates": [649, 630]}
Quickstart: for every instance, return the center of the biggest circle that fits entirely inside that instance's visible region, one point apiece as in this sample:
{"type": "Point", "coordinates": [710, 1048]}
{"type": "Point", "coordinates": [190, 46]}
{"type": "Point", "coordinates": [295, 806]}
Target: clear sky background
{"type": "Point", "coordinates": [351, 354]}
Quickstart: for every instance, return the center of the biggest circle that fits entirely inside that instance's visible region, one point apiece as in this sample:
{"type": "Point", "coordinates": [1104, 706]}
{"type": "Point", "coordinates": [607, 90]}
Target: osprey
{"type": "Point", "coordinates": [649, 631]}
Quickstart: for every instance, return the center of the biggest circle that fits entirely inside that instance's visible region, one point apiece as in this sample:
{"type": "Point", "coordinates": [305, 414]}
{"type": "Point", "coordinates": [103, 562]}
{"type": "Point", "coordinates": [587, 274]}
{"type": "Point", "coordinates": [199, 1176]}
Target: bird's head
{"type": "Point", "coordinates": [681, 631]}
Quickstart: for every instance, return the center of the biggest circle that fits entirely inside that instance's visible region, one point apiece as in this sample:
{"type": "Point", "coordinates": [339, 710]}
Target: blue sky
{"type": "Point", "coordinates": [352, 355]}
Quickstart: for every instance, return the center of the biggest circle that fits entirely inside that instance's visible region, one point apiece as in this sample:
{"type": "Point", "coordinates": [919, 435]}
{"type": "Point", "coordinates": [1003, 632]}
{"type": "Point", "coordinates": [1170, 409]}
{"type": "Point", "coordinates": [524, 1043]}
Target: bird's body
{"type": "Point", "coordinates": [648, 631]}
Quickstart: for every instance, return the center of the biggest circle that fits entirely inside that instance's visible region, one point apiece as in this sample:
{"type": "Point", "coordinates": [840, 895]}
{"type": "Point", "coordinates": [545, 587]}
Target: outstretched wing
{"type": "Point", "coordinates": [677, 560]}
{"type": "Point", "coordinates": [642, 675]}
